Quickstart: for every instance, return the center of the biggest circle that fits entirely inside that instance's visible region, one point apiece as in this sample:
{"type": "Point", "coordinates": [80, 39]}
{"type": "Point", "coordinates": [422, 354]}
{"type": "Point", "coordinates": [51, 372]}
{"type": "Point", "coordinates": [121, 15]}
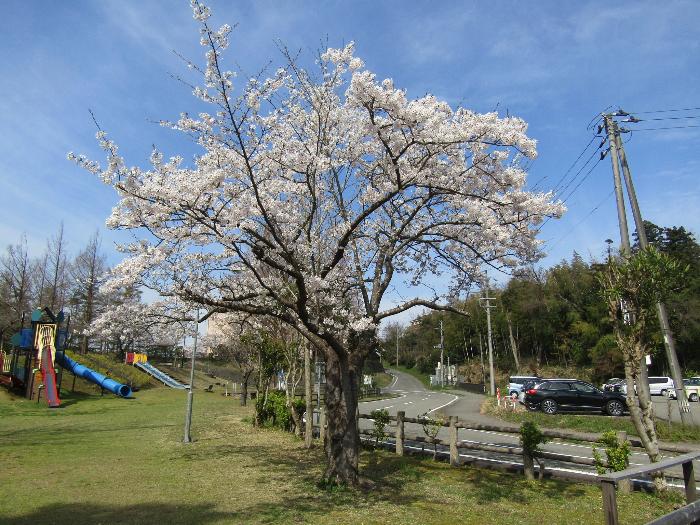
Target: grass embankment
{"type": "Point", "coordinates": [202, 379]}
{"type": "Point", "coordinates": [673, 432]}
{"type": "Point", "coordinates": [107, 365]}
{"type": "Point", "coordinates": [420, 376]}
{"type": "Point", "coordinates": [423, 378]}
{"type": "Point", "coordinates": [111, 460]}
{"type": "Point", "coordinates": [382, 379]}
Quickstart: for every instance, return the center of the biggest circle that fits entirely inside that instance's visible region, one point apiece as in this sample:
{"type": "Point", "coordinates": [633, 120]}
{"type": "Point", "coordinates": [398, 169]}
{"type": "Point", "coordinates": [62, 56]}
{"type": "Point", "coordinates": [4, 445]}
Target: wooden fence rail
{"type": "Point", "coordinates": [609, 481]}
{"type": "Point", "coordinates": [688, 514]}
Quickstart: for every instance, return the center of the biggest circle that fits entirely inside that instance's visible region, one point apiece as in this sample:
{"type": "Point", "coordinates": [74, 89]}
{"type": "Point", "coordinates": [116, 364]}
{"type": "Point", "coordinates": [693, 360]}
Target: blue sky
{"type": "Point", "coordinates": [555, 64]}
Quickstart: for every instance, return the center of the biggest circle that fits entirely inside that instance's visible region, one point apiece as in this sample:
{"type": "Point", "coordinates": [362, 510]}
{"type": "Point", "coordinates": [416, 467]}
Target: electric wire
{"type": "Point", "coordinates": [665, 127]}
{"type": "Point", "coordinates": [597, 206]}
{"type": "Point", "coordinates": [563, 177]}
{"type": "Point", "coordinates": [573, 179]}
{"type": "Point", "coordinates": [583, 179]}
{"type": "Point", "coordinates": [663, 111]}
{"type": "Point", "coordinates": [671, 118]}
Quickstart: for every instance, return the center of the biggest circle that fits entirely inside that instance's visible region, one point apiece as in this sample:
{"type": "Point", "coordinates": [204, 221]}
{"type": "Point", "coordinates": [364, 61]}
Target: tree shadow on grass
{"type": "Point", "coordinates": [79, 513]}
{"type": "Point", "coordinates": [493, 486]}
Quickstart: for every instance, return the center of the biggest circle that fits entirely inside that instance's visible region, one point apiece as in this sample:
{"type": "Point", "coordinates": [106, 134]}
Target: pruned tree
{"type": "Point", "coordinates": [632, 287]}
{"type": "Point", "coordinates": [313, 193]}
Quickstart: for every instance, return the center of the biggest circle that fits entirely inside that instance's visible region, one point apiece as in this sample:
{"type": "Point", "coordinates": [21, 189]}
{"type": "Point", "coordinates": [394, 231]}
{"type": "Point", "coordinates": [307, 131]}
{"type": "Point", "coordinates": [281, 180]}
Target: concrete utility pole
{"type": "Point", "coordinates": [486, 304]}
{"type": "Point", "coordinates": [611, 128]}
{"type": "Point", "coordinates": [397, 345]}
{"type": "Point", "coordinates": [188, 412]}
{"type": "Point", "coordinates": [481, 355]}
{"type": "Point", "coordinates": [669, 343]}
{"type": "Point", "coordinates": [442, 356]}
{"type": "Point", "coordinates": [625, 249]}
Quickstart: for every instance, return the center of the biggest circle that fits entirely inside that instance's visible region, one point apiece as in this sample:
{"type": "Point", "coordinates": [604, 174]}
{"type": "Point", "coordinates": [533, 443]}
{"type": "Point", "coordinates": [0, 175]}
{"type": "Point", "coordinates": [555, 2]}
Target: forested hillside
{"type": "Point", "coordinates": [554, 318]}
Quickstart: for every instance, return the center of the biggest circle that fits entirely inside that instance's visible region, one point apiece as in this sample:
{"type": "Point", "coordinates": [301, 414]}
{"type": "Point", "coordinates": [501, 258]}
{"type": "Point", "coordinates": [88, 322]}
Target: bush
{"type": "Point", "coordinates": [531, 437]}
{"type": "Point", "coordinates": [616, 452]}
{"type": "Point", "coordinates": [274, 411]}
{"type": "Point", "coordinates": [381, 420]}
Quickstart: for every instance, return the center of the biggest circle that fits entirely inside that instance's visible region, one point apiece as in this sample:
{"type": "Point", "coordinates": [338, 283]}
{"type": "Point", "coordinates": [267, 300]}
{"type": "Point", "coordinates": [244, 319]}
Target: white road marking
{"type": "Point", "coordinates": [443, 406]}
{"type": "Point", "coordinates": [554, 442]}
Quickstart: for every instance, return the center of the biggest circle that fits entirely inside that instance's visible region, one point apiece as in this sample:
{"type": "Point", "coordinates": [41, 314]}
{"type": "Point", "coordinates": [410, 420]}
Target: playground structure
{"type": "Point", "coordinates": [30, 367]}
{"type": "Point", "coordinates": [141, 361]}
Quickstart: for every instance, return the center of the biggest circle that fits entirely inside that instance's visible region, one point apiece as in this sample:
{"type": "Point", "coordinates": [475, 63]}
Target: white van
{"type": "Point", "coordinates": [515, 384]}
{"type": "Point", "coordinates": [659, 386]}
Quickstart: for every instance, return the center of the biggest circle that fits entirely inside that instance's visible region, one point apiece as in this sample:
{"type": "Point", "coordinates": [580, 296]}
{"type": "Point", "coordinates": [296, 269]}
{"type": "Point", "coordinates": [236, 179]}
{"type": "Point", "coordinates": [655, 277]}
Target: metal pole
{"type": "Point", "coordinates": [669, 344]}
{"type": "Point", "coordinates": [397, 345]}
{"type": "Point", "coordinates": [488, 324]}
{"type": "Point", "coordinates": [487, 305]}
{"type": "Point", "coordinates": [188, 414]}
{"type": "Point", "coordinates": [442, 356]}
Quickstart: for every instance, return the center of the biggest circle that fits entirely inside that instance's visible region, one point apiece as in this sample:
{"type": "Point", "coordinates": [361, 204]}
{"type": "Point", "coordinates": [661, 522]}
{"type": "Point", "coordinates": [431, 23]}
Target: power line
{"type": "Point", "coordinates": [568, 184]}
{"type": "Point", "coordinates": [670, 118]}
{"type": "Point", "coordinates": [597, 206]}
{"type": "Point", "coordinates": [666, 127]}
{"type": "Point", "coordinates": [563, 177]}
{"type": "Point", "coordinates": [583, 179]}
{"type": "Point", "coordinates": [577, 186]}
{"type": "Point", "coordinates": [664, 111]}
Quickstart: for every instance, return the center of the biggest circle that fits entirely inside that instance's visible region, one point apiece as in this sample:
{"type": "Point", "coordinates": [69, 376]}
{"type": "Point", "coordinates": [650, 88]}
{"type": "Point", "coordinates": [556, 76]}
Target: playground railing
{"type": "Point", "coordinates": [5, 363]}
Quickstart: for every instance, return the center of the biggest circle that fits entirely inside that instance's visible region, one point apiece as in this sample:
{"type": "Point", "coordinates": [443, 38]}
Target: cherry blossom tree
{"type": "Point", "coordinates": [132, 324]}
{"type": "Point", "coordinates": [316, 189]}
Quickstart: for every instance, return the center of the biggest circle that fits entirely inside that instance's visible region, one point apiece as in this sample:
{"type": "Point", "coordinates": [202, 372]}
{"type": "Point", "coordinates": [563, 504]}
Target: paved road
{"type": "Point", "coordinates": [662, 406]}
{"type": "Point", "coordinates": [415, 400]}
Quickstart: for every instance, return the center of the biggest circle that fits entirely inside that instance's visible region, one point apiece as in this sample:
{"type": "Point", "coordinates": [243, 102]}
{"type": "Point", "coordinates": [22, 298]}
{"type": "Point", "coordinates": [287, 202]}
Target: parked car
{"type": "Point", "coordinates": [615, 384]}
{"type": "Point", "coordinates": [527, 385]}
{"type": "Point", "coordinates": [515, 383]}
{"type": "Point", "coordinates": [659, 386]}
{"type": "Point", "coordinates": [692, 389]}
{"type": "Point", "coordinates": [552, 395]}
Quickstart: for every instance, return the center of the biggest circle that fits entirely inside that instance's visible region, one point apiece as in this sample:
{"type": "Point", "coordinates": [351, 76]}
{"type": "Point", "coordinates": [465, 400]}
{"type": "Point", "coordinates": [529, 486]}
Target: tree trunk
{"type": "Point", "coordinates": [642, 412]}
{"type": "Point", "coordinates": [513, 344]}
{"type": "Point", "coordinates": [308, 431]}
{"type": "Point", "coordinates": [343, 444]}
{"type": "Point", "coordinates": [244, 388]}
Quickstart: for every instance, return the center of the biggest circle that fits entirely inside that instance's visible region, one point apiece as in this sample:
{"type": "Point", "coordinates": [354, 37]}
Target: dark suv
{"type": "Point", "coordinates": [551, 395]}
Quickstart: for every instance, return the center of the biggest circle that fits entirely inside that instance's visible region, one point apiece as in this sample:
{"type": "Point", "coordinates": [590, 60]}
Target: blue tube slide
{"type": "Point", "coordinates": [92, 376]}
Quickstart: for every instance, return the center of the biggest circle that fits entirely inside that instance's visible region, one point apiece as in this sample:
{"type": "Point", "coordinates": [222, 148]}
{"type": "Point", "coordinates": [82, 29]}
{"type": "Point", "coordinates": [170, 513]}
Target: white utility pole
{"type": "Point", "coordinates": [442, 356]}
{"type": "Point", "coordinates": [397, 344]}
{"type": "Point", "coordinates": [188, 412]}
{"type": "Point", "coordinates": [486, 304]}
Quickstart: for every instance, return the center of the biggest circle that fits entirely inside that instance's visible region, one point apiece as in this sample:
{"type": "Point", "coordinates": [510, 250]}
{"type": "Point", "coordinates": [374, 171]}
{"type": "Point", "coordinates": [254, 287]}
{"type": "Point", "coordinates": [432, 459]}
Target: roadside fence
{"type": "Point", "coordinates": [451, 447]}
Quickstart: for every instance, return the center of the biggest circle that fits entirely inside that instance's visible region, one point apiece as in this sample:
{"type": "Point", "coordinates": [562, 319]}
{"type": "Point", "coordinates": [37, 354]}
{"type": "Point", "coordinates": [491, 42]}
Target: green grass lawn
{"type": "Point", "coordinates": [108, 365]}
{"type": "Point", "coordinates": [115, 461]}
{"type": "Point", "coordinates": [423, 378]}
{"type": "Point", "coordinates": [673, 432]}
{"type": "Point", "coordinates": [382, 379]}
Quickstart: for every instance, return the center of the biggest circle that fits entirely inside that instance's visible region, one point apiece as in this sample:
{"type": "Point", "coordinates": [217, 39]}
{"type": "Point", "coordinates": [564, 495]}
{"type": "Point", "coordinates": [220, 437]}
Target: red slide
{"type": "Point", "coordinates": [47, 370]}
